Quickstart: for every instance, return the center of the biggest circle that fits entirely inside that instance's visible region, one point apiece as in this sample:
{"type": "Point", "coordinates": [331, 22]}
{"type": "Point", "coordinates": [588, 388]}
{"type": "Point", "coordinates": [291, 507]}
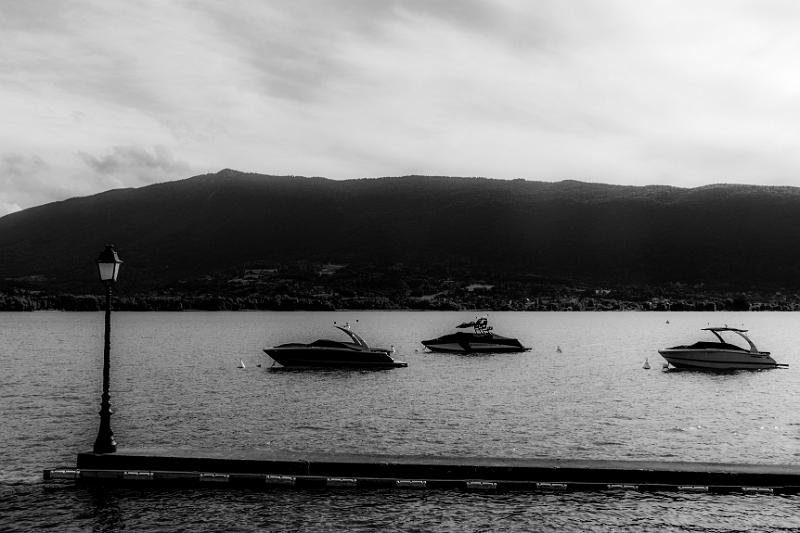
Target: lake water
{"type": "Point", "coordinates": [175, 383]}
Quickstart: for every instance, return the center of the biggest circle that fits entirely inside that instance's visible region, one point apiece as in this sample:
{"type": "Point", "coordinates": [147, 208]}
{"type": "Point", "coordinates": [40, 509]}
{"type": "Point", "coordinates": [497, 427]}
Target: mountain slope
{"type": "Point", "coordinates": [721, 234]}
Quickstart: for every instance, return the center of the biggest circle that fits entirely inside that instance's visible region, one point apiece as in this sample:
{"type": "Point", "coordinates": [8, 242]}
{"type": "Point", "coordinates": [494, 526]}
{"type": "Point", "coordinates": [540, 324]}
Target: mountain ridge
{"type": "Point", "coordinates": [608, 234]}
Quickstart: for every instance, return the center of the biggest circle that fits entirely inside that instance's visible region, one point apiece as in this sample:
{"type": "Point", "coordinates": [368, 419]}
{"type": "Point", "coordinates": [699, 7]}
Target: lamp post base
{"type": "Point", "coordinates": [105, 442]}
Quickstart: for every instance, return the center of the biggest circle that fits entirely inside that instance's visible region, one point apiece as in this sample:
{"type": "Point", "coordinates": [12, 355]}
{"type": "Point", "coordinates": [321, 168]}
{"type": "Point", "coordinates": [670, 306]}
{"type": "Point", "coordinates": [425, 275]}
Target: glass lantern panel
{"type": "Point", "coordinates": [108, 271]}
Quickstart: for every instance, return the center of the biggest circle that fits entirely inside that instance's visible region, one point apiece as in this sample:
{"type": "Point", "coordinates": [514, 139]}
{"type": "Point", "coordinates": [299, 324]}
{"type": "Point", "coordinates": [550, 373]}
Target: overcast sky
{"type": "Point", "coordinates": [96, 95]}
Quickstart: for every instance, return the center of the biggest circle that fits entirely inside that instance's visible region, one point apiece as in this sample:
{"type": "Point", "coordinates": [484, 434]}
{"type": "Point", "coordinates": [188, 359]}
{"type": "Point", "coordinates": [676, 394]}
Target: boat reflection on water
{"type": "Point", "coordinates": [480, 340]}
{"type": "Point", "coordinates": [325, 353]}
{"type": "Point", "coordinates": [720, 354]}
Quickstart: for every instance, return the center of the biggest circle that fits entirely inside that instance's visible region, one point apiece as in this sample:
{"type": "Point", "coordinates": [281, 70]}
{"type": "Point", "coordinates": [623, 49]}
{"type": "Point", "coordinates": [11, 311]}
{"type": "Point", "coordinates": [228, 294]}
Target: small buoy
{"type": "Point", "coordinates": [558, 349]}
{"type": "Point", "coordinates": [646, 364]}
{"type": "Point", "coordinates": [241, 363]}
{"type": "Point", "coordinates": [667, 321]}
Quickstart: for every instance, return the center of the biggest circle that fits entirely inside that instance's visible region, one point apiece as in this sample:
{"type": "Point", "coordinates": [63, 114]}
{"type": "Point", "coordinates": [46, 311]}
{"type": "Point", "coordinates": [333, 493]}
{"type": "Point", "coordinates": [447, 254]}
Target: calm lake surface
{"type": "Point", "coordinates": [175, 383]}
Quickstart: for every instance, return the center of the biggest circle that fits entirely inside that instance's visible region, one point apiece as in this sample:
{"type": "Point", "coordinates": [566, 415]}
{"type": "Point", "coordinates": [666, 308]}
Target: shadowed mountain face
{"type": "Point", "coordinates": [724, 235]}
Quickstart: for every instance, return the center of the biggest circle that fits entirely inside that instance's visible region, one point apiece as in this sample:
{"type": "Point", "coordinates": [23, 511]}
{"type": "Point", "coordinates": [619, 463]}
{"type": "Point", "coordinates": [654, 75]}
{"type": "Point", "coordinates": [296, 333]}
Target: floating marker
{"type": "Point", "coordinates": [558, 349]}
{"type": "Point", "coordinates": [758, 490]}
{"type": "Point", "coordinates": [62, 473]}
{"type": "Point", "coordinates": [693, 488]}
{"type": "Point", "coordinates": [481, 485]}
{"type": "Point", "coordinates": [214, 477]}
{"type": "Point", "coordinates": [340, 482]}
{"type": "Point", "coordinates": [646, 364]}
{"type": "Point", "coordinates": [136, 474]}
{"type": "Point", "coordinates": [544, 485]}
{"type": "Point", "coordinates": [241, 363]}
{"type": "Point", "coordinates": [411, 483]}
{"type": "Point", "coordinates": [622, 486]}
{"type": "Point", "coordinates": [272, 479]}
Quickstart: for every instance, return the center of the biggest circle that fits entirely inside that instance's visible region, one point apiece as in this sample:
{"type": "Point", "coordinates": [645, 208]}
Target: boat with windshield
{"type": "Point", "coordinates": [326, 353]}
{"type": "Point", "coordinates": [720, 354]}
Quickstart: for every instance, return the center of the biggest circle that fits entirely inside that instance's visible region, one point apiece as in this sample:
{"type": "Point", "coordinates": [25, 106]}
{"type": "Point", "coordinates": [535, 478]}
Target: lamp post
{"type": "Point", "coordinates": [108, 267]}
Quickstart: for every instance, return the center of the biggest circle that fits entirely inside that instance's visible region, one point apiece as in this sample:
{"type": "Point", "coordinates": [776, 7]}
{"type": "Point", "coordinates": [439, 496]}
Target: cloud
{"type": "Point", "coordinates": [30, 180]}
{"type": "Point", "coordinates": [614, 90]}
{"type": "Point", "coordinates": [6, 208]}
{"type": "Point", "coordinates": [26, 180]}
{"type": "Point", "coordinates": [135, 166]}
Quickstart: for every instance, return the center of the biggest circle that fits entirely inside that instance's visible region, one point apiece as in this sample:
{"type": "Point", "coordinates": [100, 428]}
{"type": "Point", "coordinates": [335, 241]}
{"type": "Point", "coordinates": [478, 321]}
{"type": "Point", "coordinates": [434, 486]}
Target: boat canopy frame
{"type": "Point", "coordinates": [353, 335]}
{"type": "Point", "coordinates": [480, 325]}
{"type": "Point", "coordinates": [740, 332]}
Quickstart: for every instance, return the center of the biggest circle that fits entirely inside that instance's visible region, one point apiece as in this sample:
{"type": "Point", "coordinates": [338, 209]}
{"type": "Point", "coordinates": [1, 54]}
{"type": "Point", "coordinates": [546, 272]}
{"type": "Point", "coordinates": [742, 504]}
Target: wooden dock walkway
{"type": "Point", "coordinates": [270, 468]}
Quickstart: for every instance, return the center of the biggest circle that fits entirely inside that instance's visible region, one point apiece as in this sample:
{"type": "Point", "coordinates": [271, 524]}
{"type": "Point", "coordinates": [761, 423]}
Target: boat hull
{"type": "Point", "coordinates": [306, 357]}
{"type": "Point", "coordinates": [718, 359]}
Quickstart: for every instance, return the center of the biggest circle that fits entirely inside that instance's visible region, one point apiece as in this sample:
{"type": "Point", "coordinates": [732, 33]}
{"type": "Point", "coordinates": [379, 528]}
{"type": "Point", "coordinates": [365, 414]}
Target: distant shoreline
{"type": "Point", "coordinates": [25, 301]}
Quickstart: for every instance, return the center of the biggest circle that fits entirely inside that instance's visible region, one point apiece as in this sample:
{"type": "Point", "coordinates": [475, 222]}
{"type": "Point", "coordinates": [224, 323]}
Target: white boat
{"type": "Point", "coordinates": [720, 354]}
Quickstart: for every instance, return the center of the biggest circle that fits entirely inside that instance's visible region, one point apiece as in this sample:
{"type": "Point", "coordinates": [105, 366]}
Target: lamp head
{"type": "Point", "coordinates": [108, 264]}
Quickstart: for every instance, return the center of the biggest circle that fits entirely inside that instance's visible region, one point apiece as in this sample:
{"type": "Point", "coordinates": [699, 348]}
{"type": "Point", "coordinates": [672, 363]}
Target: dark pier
{"type": "Point", "coordinates": [264, 468]}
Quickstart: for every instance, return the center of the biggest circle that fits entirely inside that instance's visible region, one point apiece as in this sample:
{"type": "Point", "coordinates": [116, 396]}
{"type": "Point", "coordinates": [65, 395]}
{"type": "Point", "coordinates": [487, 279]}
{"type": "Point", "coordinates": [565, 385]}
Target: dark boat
{"type": "Point", "coordinates": [324, 353]}
{"type": "Point", "coordinates": [480, 340]}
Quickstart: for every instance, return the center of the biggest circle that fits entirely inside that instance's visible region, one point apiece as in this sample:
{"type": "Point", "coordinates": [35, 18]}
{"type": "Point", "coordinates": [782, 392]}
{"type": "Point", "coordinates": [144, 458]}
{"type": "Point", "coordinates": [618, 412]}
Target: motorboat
{"type": "Point", "coordinates": [720, 354]}
{"type": "Point", "coordinates": [325, 353]}
{"type": "Point", "coordinates": [479, 340]}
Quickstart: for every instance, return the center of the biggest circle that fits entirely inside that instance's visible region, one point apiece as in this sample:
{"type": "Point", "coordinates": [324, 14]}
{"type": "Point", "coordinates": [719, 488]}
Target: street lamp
{"type": "Point", "coordinates": [108, 267]}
